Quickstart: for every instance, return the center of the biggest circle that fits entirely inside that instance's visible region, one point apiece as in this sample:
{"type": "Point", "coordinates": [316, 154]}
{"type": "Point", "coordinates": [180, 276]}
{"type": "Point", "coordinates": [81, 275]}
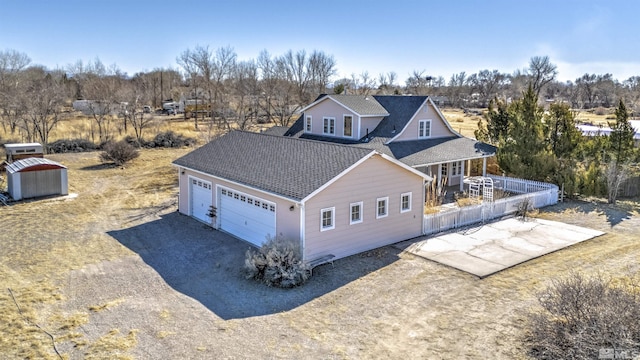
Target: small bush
{"type": "Point", "coordinates": [277, 263]}
{"type": "Point", "coordinates": [579, 316]}
{"type": "Point", "coordinates": [169, 139]}
{"type": "Point", "coordinates": [118, 152]}
{"type": "Point", "coordinates": [70, 146]}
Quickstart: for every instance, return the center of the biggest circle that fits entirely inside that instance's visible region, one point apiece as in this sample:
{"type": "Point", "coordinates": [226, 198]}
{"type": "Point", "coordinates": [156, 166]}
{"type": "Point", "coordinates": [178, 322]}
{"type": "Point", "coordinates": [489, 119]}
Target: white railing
{"type": "Point", "coordinates": [538, 193]}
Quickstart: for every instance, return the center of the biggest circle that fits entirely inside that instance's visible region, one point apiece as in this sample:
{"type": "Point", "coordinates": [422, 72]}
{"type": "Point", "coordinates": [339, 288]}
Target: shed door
{"type": "Point", "coordinates": [248, 217]}
{"type": "Point", "coordinates": [40, 183]}
{"type": "Point", "coordinates": [201, 199]}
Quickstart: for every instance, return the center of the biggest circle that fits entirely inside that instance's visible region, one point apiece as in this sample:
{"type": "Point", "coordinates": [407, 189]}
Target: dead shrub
{"type": "Point", "coordinates": [435, 193]}
{"type": "Point", "coordinates": [277, 263]}
{"type": "Point", "coordinates": [578, 317]}
{"type": "Point", "coordinates": [169, 139]}
{"type": "Point", "coordinates": [463, 199]}
{"type": "Point", "coordinates": [601, 111]}
{"type": "Point", "coordinates": [525, 209]}
{"type": "Point", "coordinates": [118, 153]}
{"type": "Point", "coordinates": [70, 146]}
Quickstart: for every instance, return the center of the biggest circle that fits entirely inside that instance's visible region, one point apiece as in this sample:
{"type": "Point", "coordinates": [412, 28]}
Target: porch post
{"type": "Point", "coordinates": [462, 175]}
{"type": "Point", "coordinates": [439, 175]}
{"type": "Point", "coordinates": [484, 166]}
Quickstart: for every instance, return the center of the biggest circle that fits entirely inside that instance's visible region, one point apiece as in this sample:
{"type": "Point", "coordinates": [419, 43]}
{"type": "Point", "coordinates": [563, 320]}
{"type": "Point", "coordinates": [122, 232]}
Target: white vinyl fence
{"type": "Point", "coordinates": [538, 193]}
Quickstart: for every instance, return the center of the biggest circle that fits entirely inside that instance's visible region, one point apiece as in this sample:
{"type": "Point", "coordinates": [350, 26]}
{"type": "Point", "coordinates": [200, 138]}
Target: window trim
{"type": "Point", "coordinates": [456, 168]}
{"type": "Point", "coordinates": [360, 205]}
{"type": "Point", "coordinates": [344, 127]}
{"type": "Point", "coordinates": [332, 125]}
{"type": "Point", "coordinates": [308, 125]}
{"type": "Point", "coordinates": [386, 207]}
{"type": "Point", "coordinates": [333, 219]}
{"type": "Point", "coordinates": [426, 127]}
{"type": "Point", "coordinates": [402, 209]}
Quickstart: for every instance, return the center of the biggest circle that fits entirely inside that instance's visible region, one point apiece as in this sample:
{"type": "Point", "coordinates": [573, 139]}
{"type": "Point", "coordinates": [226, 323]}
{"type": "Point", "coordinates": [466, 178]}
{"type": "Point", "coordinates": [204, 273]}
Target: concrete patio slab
{"type": "Point", "coordinates": [493, 247]}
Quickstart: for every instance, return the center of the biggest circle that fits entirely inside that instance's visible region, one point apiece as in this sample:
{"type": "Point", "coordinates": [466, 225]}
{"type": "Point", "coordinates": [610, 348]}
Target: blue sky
{"type": "Point", "coordinates": [439, 37]}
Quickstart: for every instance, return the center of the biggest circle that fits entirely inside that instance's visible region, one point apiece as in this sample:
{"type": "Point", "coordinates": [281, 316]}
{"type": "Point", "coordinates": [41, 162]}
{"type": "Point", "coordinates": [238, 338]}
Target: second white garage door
{"type": "Point", "coordinates": [247, 217]}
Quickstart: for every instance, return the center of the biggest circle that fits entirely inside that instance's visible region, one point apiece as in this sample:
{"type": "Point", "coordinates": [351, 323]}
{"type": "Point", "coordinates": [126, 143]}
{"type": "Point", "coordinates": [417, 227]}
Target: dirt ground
{"type": "Point", "coordinates": [116, 272]}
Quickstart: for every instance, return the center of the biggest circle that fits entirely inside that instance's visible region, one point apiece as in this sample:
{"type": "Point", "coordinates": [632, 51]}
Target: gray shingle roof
{"type": "Point", "coordinates": [363, 105]}
{"type": "Point", "coordinates": [440, 150]}
{"type": "Point", "coordinates": [412, 153]}
{"type": "Point", "coordinates": [290, 167]}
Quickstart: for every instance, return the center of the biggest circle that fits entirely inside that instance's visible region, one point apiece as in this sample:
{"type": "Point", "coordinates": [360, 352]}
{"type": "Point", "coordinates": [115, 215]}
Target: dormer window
{"type": "Point", "coordinates": [424, 129]}
{"type": "Point", "coordinates": [348, 125]}
{"type": "Point", "coordinates": [307, 124]}
{"type": "Point", "coordinates": [329, 127]}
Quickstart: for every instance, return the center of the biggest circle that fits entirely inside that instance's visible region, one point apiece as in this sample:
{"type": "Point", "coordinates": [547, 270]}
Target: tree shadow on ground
{"type": "Point", "coordinates": [102, 166]}
{"type": "Point", "coordinates": [615, 214]}
{"type": "Point", "coordinates": [206, 265]}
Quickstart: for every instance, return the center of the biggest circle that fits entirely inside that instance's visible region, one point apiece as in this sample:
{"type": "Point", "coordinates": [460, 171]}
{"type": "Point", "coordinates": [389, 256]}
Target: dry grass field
{"type": "Point", "coordinates": [88, 270]}
{"type": "Point", "coordinates": [83, 269]}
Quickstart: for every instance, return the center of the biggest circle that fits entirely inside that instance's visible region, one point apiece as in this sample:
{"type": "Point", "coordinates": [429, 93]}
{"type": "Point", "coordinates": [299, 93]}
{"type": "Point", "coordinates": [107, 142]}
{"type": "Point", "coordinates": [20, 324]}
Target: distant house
{"type": "Point", "coordinates": [594, 130]}
{"type": "Point", "coordinates": [348, 176]}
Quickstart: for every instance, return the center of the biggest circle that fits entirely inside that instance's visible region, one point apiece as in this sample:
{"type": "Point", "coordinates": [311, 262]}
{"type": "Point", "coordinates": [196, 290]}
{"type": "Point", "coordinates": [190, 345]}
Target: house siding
{"type": "Point", "coordinates": [329, 108]}
{"type": "Point", "coordinates": [370, 123]}
{"type": "Point", "coordinates": [438, 126]}
{"type": "Point", "coordinates": [374, 178]}
{"type": "Point", "coordinates": [287, 221]}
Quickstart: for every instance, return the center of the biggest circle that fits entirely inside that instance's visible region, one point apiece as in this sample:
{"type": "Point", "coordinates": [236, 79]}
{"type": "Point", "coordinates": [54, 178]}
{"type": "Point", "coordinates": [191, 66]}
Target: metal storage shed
{"type": "Point", "coordinates": [34, 177]}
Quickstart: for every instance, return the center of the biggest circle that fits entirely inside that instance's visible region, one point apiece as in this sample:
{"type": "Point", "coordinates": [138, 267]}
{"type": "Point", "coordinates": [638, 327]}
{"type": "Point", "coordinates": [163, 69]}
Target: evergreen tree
{"type": "Point", "coordinates": [497, 121]}
{"type": "Point", "coordinates": [523, 152]}
{"type": "Point", "coordinates": [621, 152]}
{"type": "Point", "coordinates": [563, 137]}
{"type": "Point", "coordinates": [621, 143]}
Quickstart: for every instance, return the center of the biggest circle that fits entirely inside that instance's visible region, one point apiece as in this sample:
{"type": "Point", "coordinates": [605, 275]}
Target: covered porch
{"type": "Point", "coordinates": [451, 175]}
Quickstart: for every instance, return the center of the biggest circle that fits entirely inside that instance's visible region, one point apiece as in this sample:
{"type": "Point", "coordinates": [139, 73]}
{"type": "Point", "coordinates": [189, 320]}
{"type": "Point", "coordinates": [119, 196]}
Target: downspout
{"type": "Point", "coordinates": [302, 232]}
{"type": "Point", "coordinates": [424, 194]}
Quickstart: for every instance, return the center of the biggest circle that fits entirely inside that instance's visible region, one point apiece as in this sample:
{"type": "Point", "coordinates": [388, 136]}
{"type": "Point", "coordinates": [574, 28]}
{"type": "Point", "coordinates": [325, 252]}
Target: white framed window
{"type": "Point", "coordinates": [456, 168]}
{"type": "Point", "coordinates": [405, 202]}
{"type": "Point", "coordinates": [308, 124]}
{"type": "Point", "coordinates": [329, 126]}
{"type": "Point", "coordinates": [444, 171]}
{"type": "Point", "coordinates": [424, 129]}
{"type": "Point", "coordinates": [327, 219]}
{"type": "Point", "coordinates": [355, 213]}
{"type": "Point", "coordinates": [347, 129]}
{"type": "Point", "coordinates": [382, 207]}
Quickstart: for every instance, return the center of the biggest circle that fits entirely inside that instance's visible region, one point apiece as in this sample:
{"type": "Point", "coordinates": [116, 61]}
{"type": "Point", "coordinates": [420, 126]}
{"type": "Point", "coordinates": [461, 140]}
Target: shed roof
{"type": "Point", "coordinates": [22, 145]}
{"type": "Point", "coordinates": [33, 164]}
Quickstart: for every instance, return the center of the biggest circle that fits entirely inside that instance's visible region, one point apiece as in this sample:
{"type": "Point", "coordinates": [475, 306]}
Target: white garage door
{"type": "Point", "coordinates": [200, 199]}
{"type": "Point", "coordinates": [247, 217]}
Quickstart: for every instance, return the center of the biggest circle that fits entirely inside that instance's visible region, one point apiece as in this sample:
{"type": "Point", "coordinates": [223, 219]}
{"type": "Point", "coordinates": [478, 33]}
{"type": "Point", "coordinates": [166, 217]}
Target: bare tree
{"type": "Point", "coordinates": [12, 63]}
{"type": "Point", "coordinates": [368, 83]}
{"type": "Point", "coordinates": [458, 89]}
{"type": "Point", "coordinates": [418, 83]}
{"type": "Point", "coordinates": [542, 72]}
{"type": "Point", "coordinates": [99, 84]}
{"type": "Point", "coordinates": [133, 95]}
{"type": "Point", "coordinates": [42, 107]}
{"type": "Point", "coordinates": [487, 84]}
{"type": "Point", "coordinates": [320, 67]}
{"type": "Point", "coordinates": [245, 80]}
